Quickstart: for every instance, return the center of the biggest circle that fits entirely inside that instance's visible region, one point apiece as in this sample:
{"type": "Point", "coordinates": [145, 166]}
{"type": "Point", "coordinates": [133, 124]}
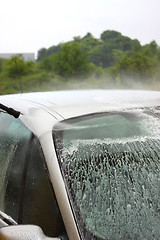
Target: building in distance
{"type": "Point", "coordinates": [26, 56]}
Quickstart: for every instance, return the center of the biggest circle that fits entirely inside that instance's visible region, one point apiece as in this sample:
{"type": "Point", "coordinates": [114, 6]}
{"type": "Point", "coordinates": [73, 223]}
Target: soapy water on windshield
{"type": "Point", "coordinates": [117, 192]}
{"type": "Point", "coordinates": [115, 184]}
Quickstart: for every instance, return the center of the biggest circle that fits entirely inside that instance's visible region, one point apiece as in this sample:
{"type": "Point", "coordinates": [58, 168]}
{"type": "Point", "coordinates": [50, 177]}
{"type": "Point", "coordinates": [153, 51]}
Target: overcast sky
{"type": "Point", "coordinates": [28, 25]}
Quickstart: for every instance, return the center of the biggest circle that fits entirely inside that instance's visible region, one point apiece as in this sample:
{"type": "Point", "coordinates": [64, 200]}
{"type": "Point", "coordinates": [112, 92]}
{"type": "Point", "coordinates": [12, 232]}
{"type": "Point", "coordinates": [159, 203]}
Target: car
{"type": "Point", "coordinates": [80, 165]}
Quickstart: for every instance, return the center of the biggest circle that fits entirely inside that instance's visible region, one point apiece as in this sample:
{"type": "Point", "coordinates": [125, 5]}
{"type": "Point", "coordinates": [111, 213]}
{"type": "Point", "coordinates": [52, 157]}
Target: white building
{"type": "Point", "coordinates": [26, 56]}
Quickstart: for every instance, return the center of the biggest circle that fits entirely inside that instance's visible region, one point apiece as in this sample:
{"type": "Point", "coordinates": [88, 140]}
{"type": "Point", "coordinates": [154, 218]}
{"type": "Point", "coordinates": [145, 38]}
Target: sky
{"type": "Point", "coordinates": [29, 25]}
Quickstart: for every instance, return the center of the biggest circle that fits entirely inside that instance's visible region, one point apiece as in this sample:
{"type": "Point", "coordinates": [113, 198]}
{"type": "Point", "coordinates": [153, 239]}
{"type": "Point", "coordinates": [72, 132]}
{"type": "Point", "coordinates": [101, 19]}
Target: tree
{"type": "Point", "coordinates": [71, 61]}
{"type": "Point", "coordinates": [99, 51]}
{"type": "Point", "coordinates": [109, 35]}
{"type": "Point", "coordinates": [150, 49]}
{"type": "Point", "coordinates": [88, 43]}
{"type": "Point", "coordinates": [136, 65]}
{"type": "Point", "coordinates": [17, 66]}
{"type": "Point", "coordinates": [111, 41]}
{"type": "Point", "coordinates": [117, 55]}
{"type": "Point", "coordinates": [42, 53]}
{"type": "Point", "coordinates": [46, 64]}
{"type": "Point", "coordinates": [2, 63]}
{"type": "Point", "coordinates": [53, 49]}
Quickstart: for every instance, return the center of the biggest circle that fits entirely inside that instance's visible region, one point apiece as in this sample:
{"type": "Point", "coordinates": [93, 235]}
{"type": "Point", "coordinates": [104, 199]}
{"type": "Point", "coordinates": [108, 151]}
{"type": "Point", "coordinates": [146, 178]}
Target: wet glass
{"type": "Point", "coordinates": [111, 167]}
{"type": "Point", "coordinates": [13, 144]}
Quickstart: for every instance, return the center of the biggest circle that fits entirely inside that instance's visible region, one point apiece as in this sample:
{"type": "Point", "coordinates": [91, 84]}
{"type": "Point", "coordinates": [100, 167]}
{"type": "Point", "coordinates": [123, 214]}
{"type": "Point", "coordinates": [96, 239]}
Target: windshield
{"type": "Point", "coordinates": [111, 166]}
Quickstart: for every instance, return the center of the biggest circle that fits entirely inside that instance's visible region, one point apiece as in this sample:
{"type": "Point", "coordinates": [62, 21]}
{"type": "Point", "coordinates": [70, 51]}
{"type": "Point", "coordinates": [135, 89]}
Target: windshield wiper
{"type": "Point", "coordinates": [7, 219]}
{"type": "Point", "coordinates": [10, 111]}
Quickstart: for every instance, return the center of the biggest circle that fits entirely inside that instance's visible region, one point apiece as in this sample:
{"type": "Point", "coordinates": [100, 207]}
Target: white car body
{"type": "Point", "coordinates": [41, 111]}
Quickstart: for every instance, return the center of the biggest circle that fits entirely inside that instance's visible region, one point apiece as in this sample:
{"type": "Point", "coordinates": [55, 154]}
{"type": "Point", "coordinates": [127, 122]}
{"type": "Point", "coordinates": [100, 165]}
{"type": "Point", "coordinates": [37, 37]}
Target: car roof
{"type": "Point", "coordinates": [60, 105]}
{"type": "Point", "coordinates": [78, 102]}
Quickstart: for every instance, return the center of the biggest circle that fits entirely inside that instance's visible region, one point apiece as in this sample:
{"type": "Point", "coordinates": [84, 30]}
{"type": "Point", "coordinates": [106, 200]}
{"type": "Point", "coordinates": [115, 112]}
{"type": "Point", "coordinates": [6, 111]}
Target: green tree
{"type": "Point", "coordinates": [150, 49]}
{"type": "Point", "coordinates": [42, 53]}
{"type": "Point", "coordinates": [46, 64]}
{"type": "Point", "coordinates": [111, 41]}
{"type": "Point", "coordinates": [109, 35]}
{"type": "Point", "coordinates": [71, 61]}
{"type": "Point", "coordinates": [54, 49]}
{"type": "Point", "coordinates": [136, 65]}
{"type": "Point", "coordinates": [17, 66]}
{"type": "Point", "coordinates": [117, 55]}
{"type": "Point", "coordinates": [99, 51]}
{"type": "Point", "coordinates": [2, 64]}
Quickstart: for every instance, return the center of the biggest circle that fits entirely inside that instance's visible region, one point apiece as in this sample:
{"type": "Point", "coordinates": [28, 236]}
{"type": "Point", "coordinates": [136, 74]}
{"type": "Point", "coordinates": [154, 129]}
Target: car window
{"type": "Point", "coordinates": [14, 138]}
{"type": "Point", "coordinates": [111, 166]}
{"type": "Point", "coordinates": [39, 202]}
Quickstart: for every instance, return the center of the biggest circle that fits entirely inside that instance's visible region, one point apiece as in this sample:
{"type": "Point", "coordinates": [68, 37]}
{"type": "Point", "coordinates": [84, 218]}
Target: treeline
{"type": "Point", "coordinates": [113, 60]}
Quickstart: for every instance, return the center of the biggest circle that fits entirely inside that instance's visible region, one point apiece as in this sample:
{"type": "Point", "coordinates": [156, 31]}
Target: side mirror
{"type": "Point", "coordinates": [25, 232]}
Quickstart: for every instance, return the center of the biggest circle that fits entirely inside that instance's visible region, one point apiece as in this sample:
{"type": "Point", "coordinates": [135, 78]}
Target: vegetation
{"type": "Point", "coordinates": [113, 61]}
